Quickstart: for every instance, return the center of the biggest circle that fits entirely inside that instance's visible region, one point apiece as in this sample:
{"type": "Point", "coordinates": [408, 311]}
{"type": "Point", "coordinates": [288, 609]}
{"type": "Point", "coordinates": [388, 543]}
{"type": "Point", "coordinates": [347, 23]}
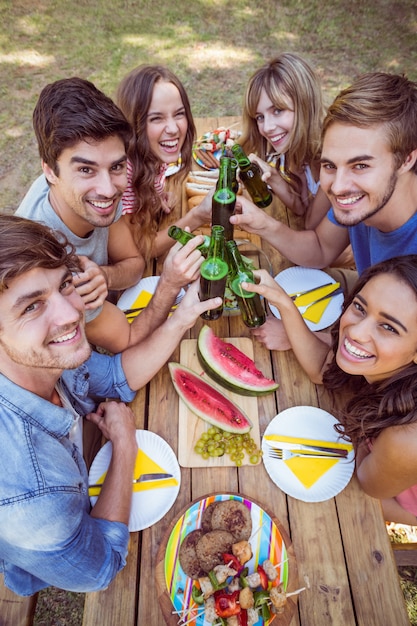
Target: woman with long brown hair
{"type": "Point", "coordinates": [156, 104]}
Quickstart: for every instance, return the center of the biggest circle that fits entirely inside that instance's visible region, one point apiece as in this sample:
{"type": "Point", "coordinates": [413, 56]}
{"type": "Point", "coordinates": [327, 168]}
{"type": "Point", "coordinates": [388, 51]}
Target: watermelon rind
{"type": "Point", "coordinates": [208, 402]}
{"type": "Point", "coordinates": [215, 355]}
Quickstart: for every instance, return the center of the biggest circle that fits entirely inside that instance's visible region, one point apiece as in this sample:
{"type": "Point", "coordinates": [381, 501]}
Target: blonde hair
{"type": "Point", "coordinates": [288, 76]}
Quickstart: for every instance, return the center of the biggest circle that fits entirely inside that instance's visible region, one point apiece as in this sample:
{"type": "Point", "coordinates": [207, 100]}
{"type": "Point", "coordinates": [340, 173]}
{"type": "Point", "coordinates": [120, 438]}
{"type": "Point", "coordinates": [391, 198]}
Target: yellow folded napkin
{"type": "Point", "coordinates": [308, 442]}
{"type": "Point", "coordinates": [315, 312]}
{"type": "Point", "coordinates": [141, 302]}
{"type": "Point", "coordinates": [308, 471]}
{"type": "Point", "coordinates": [144, 465]}
{"type": "Point", "coordinates": [320, 292]}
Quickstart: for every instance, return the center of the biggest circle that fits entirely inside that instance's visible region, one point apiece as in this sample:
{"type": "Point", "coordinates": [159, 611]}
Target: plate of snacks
{"type": "Point", "coordinates": [208, 149]}
{"type": "Point", "coordinates": [226, 555]}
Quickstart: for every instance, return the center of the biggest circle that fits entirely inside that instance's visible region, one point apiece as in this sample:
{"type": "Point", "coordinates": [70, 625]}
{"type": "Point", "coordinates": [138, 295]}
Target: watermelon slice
{"type": "Point", "coordinates": [230, 367]}
{"type": "Point", "coordinates": [207, 402]}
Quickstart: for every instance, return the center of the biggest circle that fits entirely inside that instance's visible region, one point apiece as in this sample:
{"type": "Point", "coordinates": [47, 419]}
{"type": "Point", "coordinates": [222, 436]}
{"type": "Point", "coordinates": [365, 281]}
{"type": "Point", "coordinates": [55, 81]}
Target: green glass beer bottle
{"type": "Point", "coordinates": [224, 199]}
{"type": "Point", "coordinates": [251, 176]}
{"type": "Point", "coordinates": [214, 271]}
{"type": "Point", "coordinates": [250, 304]}
{"type": "Point", "coordinates": [184, 237]}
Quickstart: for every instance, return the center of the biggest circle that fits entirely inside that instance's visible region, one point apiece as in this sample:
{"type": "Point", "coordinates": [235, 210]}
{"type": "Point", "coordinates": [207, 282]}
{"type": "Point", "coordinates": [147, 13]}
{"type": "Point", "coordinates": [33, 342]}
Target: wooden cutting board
{"type": "Point", "coordinates": [192, 427]}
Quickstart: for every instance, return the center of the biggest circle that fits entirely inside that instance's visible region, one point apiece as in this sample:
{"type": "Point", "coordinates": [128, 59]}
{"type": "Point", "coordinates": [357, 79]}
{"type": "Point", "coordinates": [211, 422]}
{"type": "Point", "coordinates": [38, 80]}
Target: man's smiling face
{"type": "Point", "coordinates": [358, 172]}
{"type": "Point", "coordinates": [42, 323]}
{"type": "Point", "coordinates": [89, 185]}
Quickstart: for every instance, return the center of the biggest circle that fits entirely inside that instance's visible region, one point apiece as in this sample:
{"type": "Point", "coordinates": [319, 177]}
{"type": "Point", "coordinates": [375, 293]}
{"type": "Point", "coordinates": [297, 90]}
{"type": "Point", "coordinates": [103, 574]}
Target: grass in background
{"type": "Point", "coordinates": [214, 46]}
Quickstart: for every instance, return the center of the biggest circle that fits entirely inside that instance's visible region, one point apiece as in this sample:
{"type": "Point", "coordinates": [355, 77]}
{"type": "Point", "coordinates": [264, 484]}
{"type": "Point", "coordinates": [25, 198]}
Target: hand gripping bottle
{"type": "Point", "coordinates": [251, 176]}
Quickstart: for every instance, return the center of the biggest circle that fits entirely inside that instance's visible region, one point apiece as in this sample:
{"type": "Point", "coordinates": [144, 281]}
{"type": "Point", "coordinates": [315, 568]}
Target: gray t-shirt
{"type": "Point", "coordinates": [36, 206]}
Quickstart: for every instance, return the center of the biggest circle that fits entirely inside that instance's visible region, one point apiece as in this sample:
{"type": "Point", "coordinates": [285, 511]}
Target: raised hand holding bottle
{"type": "Point", "coordinates": [251, 176]}
{"type": "Point", "coordinates": [178, 234]}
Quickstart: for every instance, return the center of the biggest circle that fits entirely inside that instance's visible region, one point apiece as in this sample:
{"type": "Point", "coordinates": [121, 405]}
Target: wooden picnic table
{"type": "Point", "coordinates": [342, 549]}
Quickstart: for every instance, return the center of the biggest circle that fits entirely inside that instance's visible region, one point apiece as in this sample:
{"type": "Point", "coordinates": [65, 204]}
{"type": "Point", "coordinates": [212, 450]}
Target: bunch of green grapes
{"type": "Point", "coordinates": [216, 442]}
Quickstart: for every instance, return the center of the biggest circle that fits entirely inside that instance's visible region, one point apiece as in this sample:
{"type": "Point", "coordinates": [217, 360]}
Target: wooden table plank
{"type": "Point", "coordinates": [319, 551]}
{"type": "Point", "coordinates": [16, 610]}
{"type": "Point", "coordinates": [370, 559]}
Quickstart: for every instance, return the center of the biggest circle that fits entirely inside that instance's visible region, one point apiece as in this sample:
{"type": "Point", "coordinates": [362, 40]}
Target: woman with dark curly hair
{"type": "Point", "coordinates": [374, 357]}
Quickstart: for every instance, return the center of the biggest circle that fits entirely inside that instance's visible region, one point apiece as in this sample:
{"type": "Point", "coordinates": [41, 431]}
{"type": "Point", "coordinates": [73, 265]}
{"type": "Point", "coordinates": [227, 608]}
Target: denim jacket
{"type": "Point", "coordinates": [47, 536]}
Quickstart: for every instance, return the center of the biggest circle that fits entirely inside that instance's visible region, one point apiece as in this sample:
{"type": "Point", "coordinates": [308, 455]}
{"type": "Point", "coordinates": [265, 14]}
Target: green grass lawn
{"type": "Point", "coordinates": [213, 46]}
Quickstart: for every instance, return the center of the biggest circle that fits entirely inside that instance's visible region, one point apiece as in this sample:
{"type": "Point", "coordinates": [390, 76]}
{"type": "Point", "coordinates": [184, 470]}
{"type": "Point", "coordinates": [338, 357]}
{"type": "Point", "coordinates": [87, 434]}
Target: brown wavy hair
{"type": "Point", "coordinates": [389, 402]}
{"type": "Point", "coordinates": [134, 96]}
{"type": "Point", "coordinates": [286, 76]}
{"type": "Point", "coordinates": [376, 99]}
{"type": "Point", "coordinates": [26, 245]}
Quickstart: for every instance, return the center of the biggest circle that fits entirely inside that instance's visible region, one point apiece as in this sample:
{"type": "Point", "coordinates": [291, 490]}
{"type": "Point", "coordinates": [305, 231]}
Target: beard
{"type": "Point", "coordinates": [46, 359]}
{"type": "Point", "coordinates": [347, 219]}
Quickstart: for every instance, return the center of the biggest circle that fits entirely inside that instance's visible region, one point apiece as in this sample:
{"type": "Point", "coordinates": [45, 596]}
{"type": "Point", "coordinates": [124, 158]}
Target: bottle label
{"type": "Point", "coordinates": [214, 269]}
{"type": "Point", "coordinates": [237, 287]}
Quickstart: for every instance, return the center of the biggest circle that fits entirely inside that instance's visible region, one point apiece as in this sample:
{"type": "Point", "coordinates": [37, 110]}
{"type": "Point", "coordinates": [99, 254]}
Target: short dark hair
{"type": "Point", "coordinates": [72, 110]}
{"type": "Point", "coordinates": [378, 98]}
{"type": "Point", "coordinates": [26, 245]}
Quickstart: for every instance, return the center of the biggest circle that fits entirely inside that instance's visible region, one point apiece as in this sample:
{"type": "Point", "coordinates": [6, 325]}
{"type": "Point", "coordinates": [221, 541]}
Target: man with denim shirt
{"type": "Point", "coordinates": [49, 381]}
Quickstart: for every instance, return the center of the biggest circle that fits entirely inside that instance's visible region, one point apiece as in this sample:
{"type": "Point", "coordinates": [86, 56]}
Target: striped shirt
{"type": "Point", "coordinates": [129, 199]}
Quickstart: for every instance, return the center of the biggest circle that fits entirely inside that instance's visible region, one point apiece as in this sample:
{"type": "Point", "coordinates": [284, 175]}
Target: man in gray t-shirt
{"type": "Point", "coordinates": [82, 138]}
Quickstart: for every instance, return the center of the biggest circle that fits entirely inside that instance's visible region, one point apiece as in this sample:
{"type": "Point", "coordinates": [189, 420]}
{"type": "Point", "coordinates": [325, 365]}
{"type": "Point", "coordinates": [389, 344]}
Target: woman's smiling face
{"type": "Point", "coordinates": [167, 123]}
{"type": "Point", "coordinates": [378, 331]}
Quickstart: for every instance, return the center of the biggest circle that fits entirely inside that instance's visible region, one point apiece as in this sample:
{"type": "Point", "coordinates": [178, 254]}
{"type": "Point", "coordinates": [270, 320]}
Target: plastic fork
{"type": "Point", "coordinates": [304, 309]}
{"type": "Point", "coordinates": [296, 295]}
{"type": "Point", "coordinates": [284, 455]}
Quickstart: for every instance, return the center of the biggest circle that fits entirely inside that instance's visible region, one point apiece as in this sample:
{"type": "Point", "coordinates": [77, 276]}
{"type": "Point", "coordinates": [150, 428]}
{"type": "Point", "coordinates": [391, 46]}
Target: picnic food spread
{"type": "Point", "coordinates": [215, 556]}
{"type": "Point", "coordinates": [209, 147]}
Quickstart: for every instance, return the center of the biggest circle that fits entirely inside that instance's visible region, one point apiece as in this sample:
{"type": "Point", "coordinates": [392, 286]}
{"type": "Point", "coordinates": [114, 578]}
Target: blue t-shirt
{"type": "Point", "coordinates": [370, 245]}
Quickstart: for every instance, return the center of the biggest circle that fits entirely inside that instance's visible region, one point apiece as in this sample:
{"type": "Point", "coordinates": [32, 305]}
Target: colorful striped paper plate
{"type": "Point", "coordinates": [266, 542]}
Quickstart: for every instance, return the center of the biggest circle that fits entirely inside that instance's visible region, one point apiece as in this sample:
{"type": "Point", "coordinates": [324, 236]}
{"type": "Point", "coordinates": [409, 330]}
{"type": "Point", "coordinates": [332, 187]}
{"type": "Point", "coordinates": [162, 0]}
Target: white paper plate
{"type": "Point", "coordinates": [148, 284]}
{"type": "Point", "coordinates": [312, 423]}
{"type": "Point", "coordinates": [149, 506]}
{"type": "Point", "coordinates": [299, 278]}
